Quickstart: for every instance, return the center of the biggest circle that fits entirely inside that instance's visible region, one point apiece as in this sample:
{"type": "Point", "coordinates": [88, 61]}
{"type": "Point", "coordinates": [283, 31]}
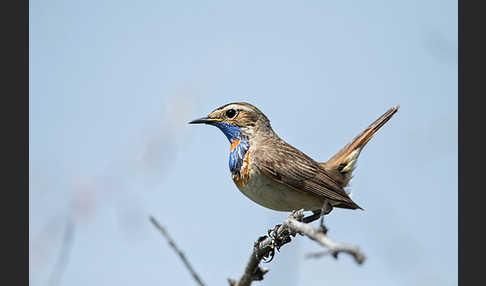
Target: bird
{"type": "Point", "coordinates": [278, 176]}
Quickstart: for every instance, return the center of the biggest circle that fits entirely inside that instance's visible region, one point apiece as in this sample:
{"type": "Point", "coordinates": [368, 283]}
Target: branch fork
{"type": "Point", "coordinates": [282, 234]}
{"type": "Point", "coordinates": [265, 247]}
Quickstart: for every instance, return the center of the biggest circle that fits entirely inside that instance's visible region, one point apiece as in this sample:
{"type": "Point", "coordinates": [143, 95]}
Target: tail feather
{"type": "Point", "coordinates": [342, 164]}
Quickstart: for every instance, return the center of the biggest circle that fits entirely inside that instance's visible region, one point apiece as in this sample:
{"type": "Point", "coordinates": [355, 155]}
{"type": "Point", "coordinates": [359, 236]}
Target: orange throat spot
{"type": "Point", "coordinates": [234, 144]}
{"type": "Point", "coordinates": [241, 179]}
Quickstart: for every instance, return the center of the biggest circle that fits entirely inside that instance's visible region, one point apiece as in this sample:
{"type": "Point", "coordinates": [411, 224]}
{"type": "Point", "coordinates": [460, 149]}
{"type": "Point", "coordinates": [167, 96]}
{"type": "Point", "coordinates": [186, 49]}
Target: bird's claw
{"type": "Point", "coordinates": [273, 232]}
{"type": "Point", "coordinates": [271, 254]}
{"type": "Point", "coordinates": [277, 241]}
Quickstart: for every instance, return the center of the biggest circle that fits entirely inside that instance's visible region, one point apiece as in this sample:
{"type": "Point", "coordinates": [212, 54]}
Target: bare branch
{"type": "Point", "coordinates": [265, 246]}
{"type": "Point", "coordinates": [317, 235]}
{"type": "Point", "coordinates": [177, 250]}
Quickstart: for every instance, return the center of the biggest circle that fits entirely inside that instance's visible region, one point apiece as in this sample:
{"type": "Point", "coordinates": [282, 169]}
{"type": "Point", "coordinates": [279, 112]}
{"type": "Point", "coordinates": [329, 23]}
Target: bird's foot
{"type": "Point", "coordinates": [269, 257]}
{"type": "Point", "coordinates": [277, 241]}
{"type": "Point", "coordinates": [273, 232]}
{"type": "Point", "coordinates": [310, 218]}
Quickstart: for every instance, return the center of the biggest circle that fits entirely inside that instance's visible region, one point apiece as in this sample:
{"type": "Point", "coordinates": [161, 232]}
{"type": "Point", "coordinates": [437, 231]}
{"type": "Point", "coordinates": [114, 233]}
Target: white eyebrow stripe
{"type": "Point", "coordinates": [240, 107]}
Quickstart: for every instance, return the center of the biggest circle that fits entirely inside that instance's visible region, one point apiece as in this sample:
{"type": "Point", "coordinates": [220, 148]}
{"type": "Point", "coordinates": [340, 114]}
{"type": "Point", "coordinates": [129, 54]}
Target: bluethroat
{"type": "Point", "coordinates": [278, 176]}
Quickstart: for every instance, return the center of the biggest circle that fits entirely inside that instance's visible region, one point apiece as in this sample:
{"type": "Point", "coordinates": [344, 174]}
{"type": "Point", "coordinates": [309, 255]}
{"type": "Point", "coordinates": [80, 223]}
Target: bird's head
{"type": "Point", "coordinates": [237, 120]}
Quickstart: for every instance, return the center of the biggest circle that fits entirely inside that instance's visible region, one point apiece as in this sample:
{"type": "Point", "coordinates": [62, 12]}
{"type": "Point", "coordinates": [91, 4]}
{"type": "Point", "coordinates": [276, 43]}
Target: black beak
{"type": "Point", "coordinates": [205, 120]}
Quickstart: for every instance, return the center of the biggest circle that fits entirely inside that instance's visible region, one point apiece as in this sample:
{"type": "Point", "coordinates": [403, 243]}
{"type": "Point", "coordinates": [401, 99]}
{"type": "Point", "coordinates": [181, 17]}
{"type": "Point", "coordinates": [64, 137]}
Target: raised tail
{"type": "Point", "coordinates": [341, 165]}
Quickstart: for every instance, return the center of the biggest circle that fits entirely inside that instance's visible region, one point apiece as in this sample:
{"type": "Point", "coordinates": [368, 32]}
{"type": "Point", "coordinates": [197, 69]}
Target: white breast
{"type": "Point", "coordinates": [273, 195]}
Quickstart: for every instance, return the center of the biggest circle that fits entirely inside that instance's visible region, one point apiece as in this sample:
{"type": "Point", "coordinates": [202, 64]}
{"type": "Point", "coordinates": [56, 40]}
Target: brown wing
{"type": "Point", "coordinates": [287, 165]}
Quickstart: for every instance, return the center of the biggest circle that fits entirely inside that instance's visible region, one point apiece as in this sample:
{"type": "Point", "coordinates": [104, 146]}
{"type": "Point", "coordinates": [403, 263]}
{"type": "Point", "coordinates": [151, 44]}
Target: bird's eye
{"type": "Point", "coordinates": [231, 113]}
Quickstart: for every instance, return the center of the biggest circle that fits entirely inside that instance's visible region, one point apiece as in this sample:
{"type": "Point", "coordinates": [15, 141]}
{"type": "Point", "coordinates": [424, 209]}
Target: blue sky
{"type": "Point", "coordinates": [114, 83]}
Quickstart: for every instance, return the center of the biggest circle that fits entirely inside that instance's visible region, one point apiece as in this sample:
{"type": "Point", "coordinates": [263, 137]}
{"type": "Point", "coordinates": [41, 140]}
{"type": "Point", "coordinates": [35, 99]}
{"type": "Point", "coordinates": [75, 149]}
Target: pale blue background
{"type": "Point", "coordinates": [114, 83]}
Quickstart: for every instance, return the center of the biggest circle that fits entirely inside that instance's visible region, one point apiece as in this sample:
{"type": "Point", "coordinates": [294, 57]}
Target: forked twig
{"type": "Point", "coordinates": [265, 246]}
{"type": "Point", "coordinates": [320, 237]}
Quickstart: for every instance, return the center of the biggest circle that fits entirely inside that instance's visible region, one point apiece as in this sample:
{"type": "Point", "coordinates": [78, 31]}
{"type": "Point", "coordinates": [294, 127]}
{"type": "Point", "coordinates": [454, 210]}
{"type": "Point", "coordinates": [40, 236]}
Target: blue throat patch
{"type": "Point", "coordinates": [237, 155]}
{"type": "Point", "coordinates": [239, 151]}
{"type": "Point", "coordinates": [232, 132]}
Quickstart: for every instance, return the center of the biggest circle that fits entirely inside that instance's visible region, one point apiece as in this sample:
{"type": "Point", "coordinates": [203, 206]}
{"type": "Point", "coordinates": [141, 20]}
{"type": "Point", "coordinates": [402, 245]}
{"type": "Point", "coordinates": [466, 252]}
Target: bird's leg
{"type": "Point", "coordinates": [326, 209]}
{"type": "Point", "coordinates": [316, 214]}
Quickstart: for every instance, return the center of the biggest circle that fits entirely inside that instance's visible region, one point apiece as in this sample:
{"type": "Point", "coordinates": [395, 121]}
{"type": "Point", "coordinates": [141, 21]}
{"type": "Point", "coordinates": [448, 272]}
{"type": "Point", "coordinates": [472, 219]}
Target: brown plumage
{"type": "Point", "coordinates": [277, 175]}
{"type": "Point", "coordinates": [287, 165]}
